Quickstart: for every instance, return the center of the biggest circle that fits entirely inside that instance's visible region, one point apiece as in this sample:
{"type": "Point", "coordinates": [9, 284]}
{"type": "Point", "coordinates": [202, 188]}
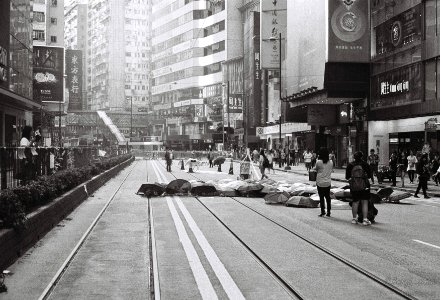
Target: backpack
{"type": "Point", "coordinates": [359, 180]}
{"type": "Point", "coordinates": [265, 162]}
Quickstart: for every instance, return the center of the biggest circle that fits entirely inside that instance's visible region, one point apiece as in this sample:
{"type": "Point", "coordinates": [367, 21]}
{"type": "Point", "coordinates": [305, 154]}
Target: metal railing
{"type": "Point", "coordinates": [19, 165]}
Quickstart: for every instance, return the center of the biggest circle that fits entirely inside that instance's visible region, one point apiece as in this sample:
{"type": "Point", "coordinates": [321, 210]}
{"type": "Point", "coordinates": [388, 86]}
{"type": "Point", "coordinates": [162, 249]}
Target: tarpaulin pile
{"type": "Point", "coordinates": [274, 192]}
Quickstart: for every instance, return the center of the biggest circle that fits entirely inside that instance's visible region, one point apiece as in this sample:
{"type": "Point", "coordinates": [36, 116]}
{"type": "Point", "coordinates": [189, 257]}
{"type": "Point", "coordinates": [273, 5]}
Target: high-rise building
{"type": "Point", "coordinates": [188, 52]}
{"type": "Point", "coordinates": [118, 55]}
{"type": "Point", "coordinates": [16, 100]}
{"type": "Point", "coordinates": [48, 23]}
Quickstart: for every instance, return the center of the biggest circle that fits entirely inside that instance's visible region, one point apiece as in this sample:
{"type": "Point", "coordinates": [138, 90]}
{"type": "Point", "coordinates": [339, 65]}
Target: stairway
{"type": "Point", "coordinates": [107, 121]}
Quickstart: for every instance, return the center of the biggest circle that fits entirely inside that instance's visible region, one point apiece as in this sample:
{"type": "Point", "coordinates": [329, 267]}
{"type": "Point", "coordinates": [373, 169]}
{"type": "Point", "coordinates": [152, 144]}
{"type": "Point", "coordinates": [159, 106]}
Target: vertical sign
{"type": "Point", "coordinates": [273, 22]}
{"type": "Point", "coordinates": [48, 73]}
{"type": "Point", "coordinates": [348, 39]}
{"type": "Point", "coordinates": [4, 43]}
{"type": "Point", "coordinates": [74, 75]}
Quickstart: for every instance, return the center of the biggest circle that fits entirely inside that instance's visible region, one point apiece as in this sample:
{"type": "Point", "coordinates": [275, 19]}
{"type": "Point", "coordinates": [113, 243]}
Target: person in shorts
{"type": "Point", "coordinates": [308, 159]}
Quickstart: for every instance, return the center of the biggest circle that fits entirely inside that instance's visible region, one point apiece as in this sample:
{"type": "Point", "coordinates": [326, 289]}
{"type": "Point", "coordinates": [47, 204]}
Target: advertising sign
{"type": "Point", "coordinates": [273, 22]}
{"type": "Point", "coordinates": [48, 73]}
{"type": "Point", "coordinates": [235, 103]}
{"type": "Point", "coordinates": [322, 115]}
{"type": "Point", "coordinates": [4, 42]}
{"type": "Point", "coordinates": [348, 39]}
{"type": "Point", "coordinates": [400, 30]}
{"type": "Point", "coordinates": [397, 87]}
{"type": "Point", "coordinates": [74, 74]}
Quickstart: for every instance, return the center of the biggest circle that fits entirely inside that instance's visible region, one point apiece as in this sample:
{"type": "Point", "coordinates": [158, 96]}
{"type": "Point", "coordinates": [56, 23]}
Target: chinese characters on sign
{"type": "Point", "coordinates": [3, 64]}
{"type": "Point", "coordinates": [273, 22]}
{"type": "Point", "coordinates": [348, 34]}
{"type": "Point", "coordinates": [74, 78]}
{"type": "Point", "coordinates": [48, 73]}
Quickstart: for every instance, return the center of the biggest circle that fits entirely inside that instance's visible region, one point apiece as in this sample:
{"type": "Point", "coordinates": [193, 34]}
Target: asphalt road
{"type": "Point", "coordinates": [190, 254]}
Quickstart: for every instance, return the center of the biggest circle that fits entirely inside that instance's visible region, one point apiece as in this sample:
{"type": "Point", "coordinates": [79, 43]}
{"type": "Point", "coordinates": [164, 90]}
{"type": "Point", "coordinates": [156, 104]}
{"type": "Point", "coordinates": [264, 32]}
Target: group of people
{"type": "Point", "coordinates": [29, 137]}
{"type": "Point", "coordinates": [403, 163]}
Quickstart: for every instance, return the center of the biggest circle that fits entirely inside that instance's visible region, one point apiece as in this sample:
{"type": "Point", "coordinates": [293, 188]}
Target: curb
{"type": "Point", "coordinates": [14, 243]}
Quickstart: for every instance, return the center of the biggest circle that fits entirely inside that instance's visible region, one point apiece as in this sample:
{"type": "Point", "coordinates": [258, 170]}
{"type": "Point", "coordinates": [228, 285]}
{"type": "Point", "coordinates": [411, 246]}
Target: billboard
{"type": "Point", "coordinates": [74, 74]}
{"type": "Point", "coordinates": [400, 30]}
{"type": "Point", "coordinates": [348, 37]}
{"type": "Point", "coordinates": [4, 43]}
{"type": "Point", "coordinates": [273, 22]}
{"type": "Point", "coordinates": [48, 73]}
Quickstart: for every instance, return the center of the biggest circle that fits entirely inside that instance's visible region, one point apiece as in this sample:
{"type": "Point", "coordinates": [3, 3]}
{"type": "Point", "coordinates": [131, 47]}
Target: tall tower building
{"type": "Point", "coordinates": [48, 23]}
{"type": "Point", "coordinates": [189, 48]}
{"type": "Point", "coordinates": [118, 55]}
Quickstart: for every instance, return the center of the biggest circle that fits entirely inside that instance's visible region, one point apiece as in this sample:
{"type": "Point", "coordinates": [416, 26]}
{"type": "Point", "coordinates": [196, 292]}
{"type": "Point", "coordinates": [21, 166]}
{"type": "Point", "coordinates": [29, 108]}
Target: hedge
{"type": "Point", "coordinates": [16, 202]}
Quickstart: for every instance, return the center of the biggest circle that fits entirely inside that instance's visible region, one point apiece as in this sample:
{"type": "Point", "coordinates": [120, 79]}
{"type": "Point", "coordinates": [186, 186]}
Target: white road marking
{"type": "Point", "coordinates": [223, 275]}
{"type": "Point", "coordinates": [203, 283]}
{"type": "Point", "coordinates": [427, 244]}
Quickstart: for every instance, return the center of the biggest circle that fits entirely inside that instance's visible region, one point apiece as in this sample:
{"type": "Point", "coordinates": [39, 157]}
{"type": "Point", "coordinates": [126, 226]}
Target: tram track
{"type": "Point", "coordinates": [46, 294]}
{"type": "Point", "coordinates": [283, 282]}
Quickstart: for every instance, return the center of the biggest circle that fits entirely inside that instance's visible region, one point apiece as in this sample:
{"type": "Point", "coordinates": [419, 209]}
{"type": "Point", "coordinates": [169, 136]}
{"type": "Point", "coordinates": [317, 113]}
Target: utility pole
{"type": "Point", "coordinates": [227, 111]}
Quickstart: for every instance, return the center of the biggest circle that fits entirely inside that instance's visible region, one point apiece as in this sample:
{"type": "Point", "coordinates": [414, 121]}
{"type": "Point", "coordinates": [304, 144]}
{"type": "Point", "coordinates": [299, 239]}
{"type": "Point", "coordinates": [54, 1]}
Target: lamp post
{"type": "Point", "coordinates": [281, 149]}
{"type": "Point", "coordinates": [287, 167]}
{"type": "Point", "coordinates": [131, 117]}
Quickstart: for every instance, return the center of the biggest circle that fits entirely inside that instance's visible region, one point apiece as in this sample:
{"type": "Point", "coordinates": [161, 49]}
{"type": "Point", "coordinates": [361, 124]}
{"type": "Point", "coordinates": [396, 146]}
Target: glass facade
{"type": "Point", "coordinates": [20, 48]}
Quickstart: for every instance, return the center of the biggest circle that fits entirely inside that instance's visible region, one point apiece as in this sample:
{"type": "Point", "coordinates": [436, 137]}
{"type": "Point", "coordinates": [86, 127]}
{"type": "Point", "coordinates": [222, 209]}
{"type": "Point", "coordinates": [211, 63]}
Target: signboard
{"type": "Point", "coordinates": [48, 73]}
{"type": "Point", "coordinates": [74, 75]}
{"type": "Point", "coordinates": [4, 43]}
{"type": "Point", "coordinates": [348, 39]}
{"type": "Point", "coordinates": [400, 30]}
{"type": "Point", "coordinates": [235, 103]}
{"type": "Point", "coordinates": [273, 22]}
{"type": "Point", "coordinates": [397, 87]}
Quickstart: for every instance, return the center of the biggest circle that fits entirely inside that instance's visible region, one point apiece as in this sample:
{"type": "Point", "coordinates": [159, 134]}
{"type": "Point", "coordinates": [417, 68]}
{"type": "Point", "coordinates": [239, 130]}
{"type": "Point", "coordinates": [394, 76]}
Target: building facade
{"type": "Point", "coordinates": [118, 55]}
{"type": "Point", "coordinates": [405, 49]}
{"type": "Point", "coordinates": [327, 77]}
{"type": "Point", "coordinates": [189, 49]}
{"type": "Point", "coordinates": [16, 94]}
{"type": "Point", "coordinates": [48, 23]}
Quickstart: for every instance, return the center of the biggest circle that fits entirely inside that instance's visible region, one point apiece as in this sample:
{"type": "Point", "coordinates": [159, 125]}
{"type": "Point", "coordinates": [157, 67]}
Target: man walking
{"type": "Point", "coordinates": [373, 162]}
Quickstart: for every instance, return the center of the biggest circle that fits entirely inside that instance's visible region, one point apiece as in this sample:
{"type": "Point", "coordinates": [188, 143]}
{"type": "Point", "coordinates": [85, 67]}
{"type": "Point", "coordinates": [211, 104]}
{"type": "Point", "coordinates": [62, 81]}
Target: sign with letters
{"type": "Point", "coordinates": [48, 73]}
{"type": "Point", "coordinates": [74, 74]}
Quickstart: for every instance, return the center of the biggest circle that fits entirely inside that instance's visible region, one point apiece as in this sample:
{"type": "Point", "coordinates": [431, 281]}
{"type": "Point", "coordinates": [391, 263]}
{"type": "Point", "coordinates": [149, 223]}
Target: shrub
{"type": "Point", "coordinates": [11, 210]}
{"type": "Point", "coordinates": [16, 202]}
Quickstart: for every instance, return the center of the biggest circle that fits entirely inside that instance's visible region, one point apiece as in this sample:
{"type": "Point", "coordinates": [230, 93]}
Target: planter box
{"type": "Point", "coordinates": [13, 244]}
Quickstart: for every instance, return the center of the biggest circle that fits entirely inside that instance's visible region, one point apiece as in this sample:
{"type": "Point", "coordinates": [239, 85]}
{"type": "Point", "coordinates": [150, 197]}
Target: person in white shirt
{"type": "Point", "coordinates": [26, 137]}
{"type": "Point", "coordinates": [324, 169]}
{"type": "Point", "coordinates": [308, 159]}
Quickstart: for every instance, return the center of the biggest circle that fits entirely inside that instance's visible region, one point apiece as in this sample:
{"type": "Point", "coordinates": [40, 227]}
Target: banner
{"type": "Point", "coordinates": [273, 22]}
{"type": "Point", "coordinates": [74, 75]}
{"type": "Point", "coordinates": [348, 39]}
{"type": "Point", "coordinates": [48, 73]}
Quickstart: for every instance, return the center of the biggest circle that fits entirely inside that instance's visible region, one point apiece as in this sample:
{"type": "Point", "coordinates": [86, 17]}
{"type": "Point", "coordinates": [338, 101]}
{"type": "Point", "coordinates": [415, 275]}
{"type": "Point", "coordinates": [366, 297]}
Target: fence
{"type": "Point", "coordinates": [18, 165]}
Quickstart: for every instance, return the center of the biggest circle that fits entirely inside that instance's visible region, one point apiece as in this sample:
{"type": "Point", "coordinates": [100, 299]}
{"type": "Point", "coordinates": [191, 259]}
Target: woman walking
{"type": "Point", "coordinates": [402, 167]}
{"type": "Point", "coordinates": [263, 164]}
{"type": "Point", "coordinates": [324, 168]}
{"type": "Point", "coordinates": [424, 174]}
{"type": "Point", "coordinates": [412, 161]}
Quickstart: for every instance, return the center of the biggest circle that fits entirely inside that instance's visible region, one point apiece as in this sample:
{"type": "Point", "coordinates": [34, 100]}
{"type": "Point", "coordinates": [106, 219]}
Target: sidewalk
{"type": "Point", "coordinates": [339, 175]}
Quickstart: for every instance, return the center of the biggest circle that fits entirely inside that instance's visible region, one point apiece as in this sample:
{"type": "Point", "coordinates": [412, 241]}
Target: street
{"type": "Point", "coordinates": [185, 247]}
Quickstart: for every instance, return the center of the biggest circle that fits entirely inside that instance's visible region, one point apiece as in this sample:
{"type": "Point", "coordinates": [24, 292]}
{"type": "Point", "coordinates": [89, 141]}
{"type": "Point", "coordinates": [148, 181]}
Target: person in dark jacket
{"type": "Point", "coordinates": [393, 167]}
{"type": "Point", "coordinates": [434, 168]}
{"type": "Point", "coordinates": [402, 165]}
{"type": "Point", "coordinates": [424, 173]}
{"type": "Point", "coordinates": [362, 197]}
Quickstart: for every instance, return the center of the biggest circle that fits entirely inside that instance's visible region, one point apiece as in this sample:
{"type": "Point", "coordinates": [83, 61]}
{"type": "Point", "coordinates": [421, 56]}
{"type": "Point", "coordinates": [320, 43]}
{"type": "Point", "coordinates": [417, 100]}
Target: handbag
{"type": "Point", "coordinates": [312, 175]}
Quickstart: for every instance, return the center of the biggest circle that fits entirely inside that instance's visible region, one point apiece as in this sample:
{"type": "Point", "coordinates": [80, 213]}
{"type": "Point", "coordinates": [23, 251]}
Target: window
{"type": "Point", "coordinates": [430, 80]}
{"type": "Point", "coordinates": [54, 2]}
{"type": "Point", "coordinates": [38, 35]}
{"type": "Point", "coordinates": [53, 39]}
{"type": "Point", "coordinates": [39, 17]}
{"type": "Point", "coordinates": [53, 21]}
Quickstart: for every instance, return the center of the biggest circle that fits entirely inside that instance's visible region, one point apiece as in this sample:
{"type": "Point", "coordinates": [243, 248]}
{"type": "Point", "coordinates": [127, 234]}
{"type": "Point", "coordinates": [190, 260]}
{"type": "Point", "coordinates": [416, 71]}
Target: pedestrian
{"type": "Point", "coordinates": [402, 166]}
{"type": "Point", "coordinates": [283, 158]}
{"type": "Point", "coordinates": [332, 157]}
{"type": "Point", "coordinates": [308, 159]}
{"type": "Point", "coordinates": [168, 159]}
{"type": "Point", "coordinates": [424, 174]}
{"type": "Point", "coordinates": [358, 172]}
{"type": "Point", "coordinates": [210, 157]}
{"type": "Point", "coordinates": [270, 159]}
{"type": "Point", "coordinates": [324, 169]}
{"type": "Point", "coordinates": [434, 168]}
{"type": "Point", "coordinates": [373, 162]}
{"type": "Point", "coordinates": [263, 163]}
{"type": "Point", "coordinates": [393, 167]}
{"type": "Point", "coordinates": [314, 157]}
{"type": "Point", "coordinates": [275, 156]}
{"type": "Point", "coordinates": [412, 161]}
